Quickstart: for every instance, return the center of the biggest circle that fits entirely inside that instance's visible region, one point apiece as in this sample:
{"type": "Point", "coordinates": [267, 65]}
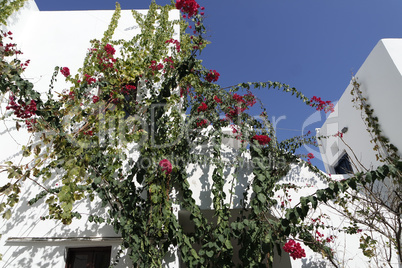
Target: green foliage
{"type": "Point", "coordinates": [8, 7]}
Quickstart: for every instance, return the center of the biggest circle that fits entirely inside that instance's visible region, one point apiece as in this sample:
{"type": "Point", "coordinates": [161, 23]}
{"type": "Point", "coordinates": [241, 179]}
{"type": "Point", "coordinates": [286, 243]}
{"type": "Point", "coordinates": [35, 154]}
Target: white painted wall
{"type": "Point", "coordinates": [380, 79]}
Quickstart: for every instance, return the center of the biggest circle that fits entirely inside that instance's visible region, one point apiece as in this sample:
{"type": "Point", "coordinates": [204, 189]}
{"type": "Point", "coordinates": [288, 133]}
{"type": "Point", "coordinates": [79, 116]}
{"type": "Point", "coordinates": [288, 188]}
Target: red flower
{"type": "Point", "coordinates": [202, 108]}
{"type": "Point", "coordinates": [218, 100]}
{"type": "Point", "coordinates": [65, 71]}
{"type": "Point", "coordinates": [95, 99]}
{"type": "Point", "coordinates": [110, 49]}
{"type": "Point", "coordinates": [21, 109]}
{"type": "Point", "coordinates": [89, 79]}
{"type": "Point", "coordinates": [262, 139]}
{"type": "Point", "coordinates": [327, 106]}
{"type": "Point", "coordinates": [166, 166]}
{"type": "Point", "coordinates": [310, 155]}
{"type": "Point", "coordinates": [238, 98]}
{"type": "Point", "coordinates": [212, 76]}
{"type": "Point", "coordinates": [173, 41]}
{"type": "Point", "coordinates": [294, 249]}
{"type": "Point", "coordinates": [188, 6]}
{"type": "Point", "coordinates": [202, 123]}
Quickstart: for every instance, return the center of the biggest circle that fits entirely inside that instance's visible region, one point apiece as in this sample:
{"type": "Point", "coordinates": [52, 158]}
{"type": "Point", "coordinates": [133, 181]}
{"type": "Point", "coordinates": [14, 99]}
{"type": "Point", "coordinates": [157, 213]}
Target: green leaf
{"type": "Point", "coordinates": [7, 214]}
{"type": "Point", "coordinates": [261, 197]}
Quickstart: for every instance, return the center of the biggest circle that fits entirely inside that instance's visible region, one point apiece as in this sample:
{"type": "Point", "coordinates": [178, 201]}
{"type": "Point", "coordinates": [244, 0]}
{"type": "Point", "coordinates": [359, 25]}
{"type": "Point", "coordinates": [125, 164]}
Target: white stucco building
{"type": "Point", "coordinates": [27, 241]}
{"type": "Point", "coordinates": [380, 81]}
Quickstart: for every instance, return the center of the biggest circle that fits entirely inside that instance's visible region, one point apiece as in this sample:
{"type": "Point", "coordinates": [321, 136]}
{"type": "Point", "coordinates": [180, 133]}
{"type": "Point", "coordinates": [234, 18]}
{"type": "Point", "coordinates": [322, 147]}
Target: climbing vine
{"type": "Point", "coordinates": [151, 94]}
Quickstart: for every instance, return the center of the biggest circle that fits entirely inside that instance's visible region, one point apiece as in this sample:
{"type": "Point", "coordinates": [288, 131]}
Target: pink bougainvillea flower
{"type": "Point", "coordinates": [262, 139]}
{"type": "Point", "coordinates": [65, 71]}
{"type": "Point", "coordinates": [202, 123]}
{"type": "Point", "coordinates": [294, 249]}
{"type": "Point", "coordinates": [109, 49]}
{"type": "Point", "coordinates": [327, 106]}
{"type": "Point", "coordinates": [212, 76]}
{"type": "Point", "coordinates": [203, 107]}
{"type": "Point", "coordinates": [188, 6]}
{"type": "Point", "coordinates": [166, 166]}
{"type": "Point", "coordinates": [218, 100]}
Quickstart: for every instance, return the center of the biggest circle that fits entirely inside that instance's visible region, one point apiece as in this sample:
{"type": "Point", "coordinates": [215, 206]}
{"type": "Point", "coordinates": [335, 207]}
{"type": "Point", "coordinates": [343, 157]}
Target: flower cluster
{"type": "Point", "coordinates": [9, 49]}
{"type": "Point", "coordinates": [127, 89]}
{"type": "Point", "coordinates": [294, 249]}
{"type": "Point", "coordinates": [22, 110]}
{"type": "Point", "coordinates": [166, 166]}
{"type": "Point", "coordinates": [327, 106]}
{"type": "Point", "coordinates": [242, 103]}
{"type": "Point", "coordinates": [24, 65]}
{"type": "Point", "coordinates": [170, 61]}
{"type": "Point", "coordinates": [218, 100]}
{"type": "Point", "coordinates": [212, 76]}
{"type": "Point", "coordinates": [65, 71]}
{"type": "Point", "coordinates": [155, 67]}
{"type": "Point", "coordinates": [95, 99]}
{"type": "Point", "coordinates": [262, 139]}
{"type": "Point", "coordinates": [104, 55]}
{"type": "Point", "coordinates": [175, 42]}
{"type": "Point", "coordinates": [106, 59]}
{"type": "Point", "coordinates": [188, 6]}
{"type": "Point", "coordinates": [203, 107]}
{"type": "Point", "coordinates": [89, 79]}
{"type": "Point", "coordinates": [109, 49]}
{"type": "Point", "coordinates": [202, 123]}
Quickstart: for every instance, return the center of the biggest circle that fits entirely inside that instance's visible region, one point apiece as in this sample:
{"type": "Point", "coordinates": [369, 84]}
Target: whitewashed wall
{"type": "Point", "coordinates": [381, 83]}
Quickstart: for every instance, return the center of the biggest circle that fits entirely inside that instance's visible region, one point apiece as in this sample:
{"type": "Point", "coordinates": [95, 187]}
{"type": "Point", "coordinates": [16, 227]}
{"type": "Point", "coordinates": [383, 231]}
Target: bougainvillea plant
{"type": "Point", "coordinates": [156, 95]}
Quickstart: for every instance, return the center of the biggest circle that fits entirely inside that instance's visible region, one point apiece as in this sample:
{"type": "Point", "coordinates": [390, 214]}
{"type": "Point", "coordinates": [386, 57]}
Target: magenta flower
{"type": "Point", "coordinates": [262, 139]}
{"type": "Point", "coordinates": [166, 166]}
{"type": "Point", "coordinates": [65, 71]}
{"type": "Point", "coordinates": [203, 107]}
{"type": "Point", "coordinates": [294, 249]}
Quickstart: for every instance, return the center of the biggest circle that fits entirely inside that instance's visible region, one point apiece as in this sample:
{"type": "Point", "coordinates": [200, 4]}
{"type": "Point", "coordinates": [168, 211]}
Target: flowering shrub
{"type": "Point", "coordinates": [153, 121]}
{"type": "Point", "coordinates": [294, 249]}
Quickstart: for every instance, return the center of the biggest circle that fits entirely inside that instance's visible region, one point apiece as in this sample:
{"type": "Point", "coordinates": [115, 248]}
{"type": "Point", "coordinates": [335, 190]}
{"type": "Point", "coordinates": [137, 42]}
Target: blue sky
{"type": "Point", "coordinates": [313, 45]}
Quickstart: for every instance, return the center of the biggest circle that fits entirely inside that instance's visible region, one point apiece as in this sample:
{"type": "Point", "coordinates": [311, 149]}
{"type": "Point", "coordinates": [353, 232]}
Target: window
{"type": "Point", "coordinates": [96, 257]}
{"type": "Point", "coordinates": [343, 166]}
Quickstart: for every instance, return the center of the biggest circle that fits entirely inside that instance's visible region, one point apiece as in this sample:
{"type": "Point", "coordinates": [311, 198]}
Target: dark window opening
{"type": "Point", "coordinates": [96, 257]}
{"type": "Point", "coordinates": [343, 166]}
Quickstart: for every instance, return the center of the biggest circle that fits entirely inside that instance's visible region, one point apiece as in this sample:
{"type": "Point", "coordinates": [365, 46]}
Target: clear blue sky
{"type": "Point", "coordinates": [313, 45]}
